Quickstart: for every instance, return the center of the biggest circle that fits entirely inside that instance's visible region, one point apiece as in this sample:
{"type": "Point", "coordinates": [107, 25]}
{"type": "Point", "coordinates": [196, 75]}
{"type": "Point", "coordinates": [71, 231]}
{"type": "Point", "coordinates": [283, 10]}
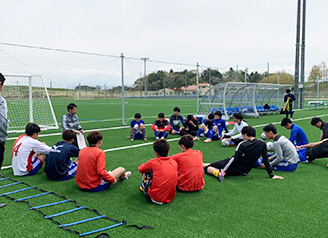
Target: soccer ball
{"type": "Point", "coordinates": [269, 146]}
{"type": "Point", "coordinates": [263, 137]}
{"type": "Point", "coordinates": [225, 142]}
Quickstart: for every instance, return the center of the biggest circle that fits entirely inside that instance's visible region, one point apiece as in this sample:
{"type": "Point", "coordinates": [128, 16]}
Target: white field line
{"type": "Point", "coordinates": [150, 143]}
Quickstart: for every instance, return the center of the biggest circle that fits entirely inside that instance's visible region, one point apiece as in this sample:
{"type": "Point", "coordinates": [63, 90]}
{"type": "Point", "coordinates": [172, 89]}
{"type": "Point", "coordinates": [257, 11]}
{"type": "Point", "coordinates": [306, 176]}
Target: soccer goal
{"type": "Point", "coordinates": [28, 101]}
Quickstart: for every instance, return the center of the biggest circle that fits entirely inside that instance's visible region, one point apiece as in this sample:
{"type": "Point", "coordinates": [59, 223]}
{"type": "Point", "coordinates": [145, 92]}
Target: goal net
{"type": "Point", "coordinates": [28, 101]}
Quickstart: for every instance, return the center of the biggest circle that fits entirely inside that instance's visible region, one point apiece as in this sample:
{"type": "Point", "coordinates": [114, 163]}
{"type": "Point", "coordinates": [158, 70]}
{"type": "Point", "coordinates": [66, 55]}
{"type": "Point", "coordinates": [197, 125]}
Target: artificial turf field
{"type": "Point", "coordinates": [250, 206]}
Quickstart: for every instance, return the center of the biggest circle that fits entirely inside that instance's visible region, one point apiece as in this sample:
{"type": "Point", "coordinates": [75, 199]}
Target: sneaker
{"type": "Point", "coordinates": [207, 140]}
{"type": "Point", "coordinates": [162, 137]}
{"type": "Point", "coordinates": [132, 139]}
{"type": "Point", "coordinates": [2, 205]}
{"type": "Point", "coordinates": [221, 177]}
{"type": "Point", "coordinates": [157, 138]}
{"type": "Point", "coordinates": [128, 174]}
{"type": "Point", "coordinates": [196, 138]}
{"type": "Point", "coordinates": [145, 139]}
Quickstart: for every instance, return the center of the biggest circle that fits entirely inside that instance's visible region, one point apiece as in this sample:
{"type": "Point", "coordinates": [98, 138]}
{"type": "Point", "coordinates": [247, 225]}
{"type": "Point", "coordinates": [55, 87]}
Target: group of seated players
{"type": "Point", "coordinates": [164, 175]}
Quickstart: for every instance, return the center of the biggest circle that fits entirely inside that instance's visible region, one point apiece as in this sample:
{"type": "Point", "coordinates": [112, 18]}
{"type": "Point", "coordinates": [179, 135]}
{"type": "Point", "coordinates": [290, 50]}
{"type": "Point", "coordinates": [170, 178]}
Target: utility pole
{"type": "Point", "coordinates": [122, 76]}
{"type": "Point", "coordinates": [303, 56]}
{"type": "Point", "coordinates": [186, 84]}
{"type": "Point", "coordinates": [145, 75]}
{"type": "Point", "coordinates": [297, 54]}
{"type": "Point", "coordinates": [236, 73]}
{"type": "Point", "coordinates": [197, 81]}
{"type": "Point", "coordinates": [209, 76]}
{"type": "Point", "coordinates": [268, 74]}
{"type": "Point", "coordinates": [246, 71]}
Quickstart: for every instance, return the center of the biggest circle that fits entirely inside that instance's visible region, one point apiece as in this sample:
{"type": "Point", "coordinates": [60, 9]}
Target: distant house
{"type": "Point", "coordinates": [192, 89]}
{"type": "Point", "coordinates": [85, 87]}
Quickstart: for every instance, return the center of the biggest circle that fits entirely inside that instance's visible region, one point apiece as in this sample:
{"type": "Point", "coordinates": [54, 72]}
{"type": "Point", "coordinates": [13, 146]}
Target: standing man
{"type": "Point", "coordinates": [3, 125]}
{"type": "Point", "coordinates": [70, 121]}
{"type": "Point", "coordinates": [288, 99]}
{"type": "Point", "coordinates": [297, 137]}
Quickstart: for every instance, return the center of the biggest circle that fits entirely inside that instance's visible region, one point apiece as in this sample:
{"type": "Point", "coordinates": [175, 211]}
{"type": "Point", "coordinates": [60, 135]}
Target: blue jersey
{"type": "Point", "coordinates": [297, 134]}
{"type": "Point", "coordinates": [134, 122]}
{"type": "Point", "coordinates": [221, 124]}
{"type": "Point", "coordinates": [59, 158]}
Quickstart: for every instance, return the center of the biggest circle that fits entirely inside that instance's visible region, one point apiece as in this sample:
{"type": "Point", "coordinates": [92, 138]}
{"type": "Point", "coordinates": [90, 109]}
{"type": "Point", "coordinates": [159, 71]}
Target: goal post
{"type": "Point", "coordinates": [28, 101]}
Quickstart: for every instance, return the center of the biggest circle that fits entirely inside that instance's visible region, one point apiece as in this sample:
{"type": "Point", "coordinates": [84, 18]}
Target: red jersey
{"type": "Point", "coordinates": [164, 180]}
{"type": "Point", "coordinates": [190, 170]}
{"type": "Point", "coordinates": [91, 168]}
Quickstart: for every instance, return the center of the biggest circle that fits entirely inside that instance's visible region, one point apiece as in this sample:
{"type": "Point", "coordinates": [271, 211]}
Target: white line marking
{"type": "Point", "coordinates": [150, 143]}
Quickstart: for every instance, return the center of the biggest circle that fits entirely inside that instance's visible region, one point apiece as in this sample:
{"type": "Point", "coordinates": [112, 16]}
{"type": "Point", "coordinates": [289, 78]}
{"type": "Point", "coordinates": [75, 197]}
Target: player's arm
{"type": "Point", "coordinates": [154, 126]}
{"type": "Point", "coordinates": [41, 148]}
{"type": "Point", "coordinates": [79, 127]}
{"type": "Point", "coordinates": [167, 127]}
{"type": "Point", "coordinates": [311, 144]}
{"type": "Point", "coordinates": [74, 151]}
{"type": "Point", "coordinates": [292, 137]}
{"type": "Point", "coordinates": [278, 156]}
{"type": "Point", "coordinates": [64, 123]}
{"type": "Point", "coordinates": [145, 167]}
{"type": "Point", "coordinates": [225, 126]}
{"type": "Point", "coordinates": [234, 130]}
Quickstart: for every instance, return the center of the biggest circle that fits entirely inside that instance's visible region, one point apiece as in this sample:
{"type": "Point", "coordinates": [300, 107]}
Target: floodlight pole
{"type": "Point", "coordinates": [268, 74]}
{"type": "Point", "coordinates": [145, 75]}
{"type": "Point", "coordinates": [302, 56]}
{"type": "Point", "coordinates": [246, 70]}
{"type": "Point", "coordinates": [297, 54]}
{"type": "Point", "coordinates": [197, 82]}
{"type": "Point", "coordinates": [122, 74]}
{"type": "Point", "coordinates": [317, 87]}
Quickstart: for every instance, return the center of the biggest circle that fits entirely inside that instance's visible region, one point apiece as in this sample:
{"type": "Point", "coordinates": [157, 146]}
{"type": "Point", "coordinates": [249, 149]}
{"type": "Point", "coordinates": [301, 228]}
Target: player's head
{"type": "Point", "coordinates": [317, 122]}
{"type": "Point", "coordinates": [238, 117]}
{"type": "Point", "coordinates": [218, 115]}
{"type": "Point", "coordinates": [288, 91]}
{"type": "Point", "coordinates": [2, 81]}
{"type": "Point", "coordinates": [32, 130]}
{"type": "Point", "coordinates": [137, 116]}
{"type": "Point", "coordinates": [210, 117]}
{"type": "Point", "coordinates": [186, 142]}
{"type": "Point", "coordinates": [190, 117]}
{"type": "Point", "coordinates": [248, 132]}
{"type": "Point", "coordinates": [95, 138]}
{"type": "Point", "coordinates": [69, 135]}
{"type": "Point", "coordinates": [71, 108]}
{"type": "Point", "coordinates": [176, 111]}
{"type": "Point", "coordinates": [287, 123]}
{"type": "Point", "coordinates": [161, 148]}
{"type": "Point", "coordinates": [270, 131]}
{"type": "Point", "coordinates": [161, 116]}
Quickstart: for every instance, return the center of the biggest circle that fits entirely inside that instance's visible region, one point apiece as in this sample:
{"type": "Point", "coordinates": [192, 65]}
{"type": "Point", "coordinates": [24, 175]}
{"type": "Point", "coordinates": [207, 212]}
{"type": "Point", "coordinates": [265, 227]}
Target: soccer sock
{"type": "Point", "coordinates": [143, 131]}
{"type": "Point", "coordinates": [156, 133]}
{"type": "Point", "coordinates": [200, 131]}
{"type": "Point", "coordinates": [134, 131]}
{"type": "Point", "coordinates": [164, 134]}
{"type": "Point", "coordinates": [216, 173]}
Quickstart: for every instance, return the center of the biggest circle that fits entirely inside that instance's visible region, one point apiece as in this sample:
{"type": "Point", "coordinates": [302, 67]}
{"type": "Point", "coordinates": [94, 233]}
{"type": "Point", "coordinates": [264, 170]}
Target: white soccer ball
{"type": "Point", "coordinates": [263, 137]}
{"type": "Point", "coordinates": [269, 146]}
{"type": "Point", "coordinates": [225, 142]}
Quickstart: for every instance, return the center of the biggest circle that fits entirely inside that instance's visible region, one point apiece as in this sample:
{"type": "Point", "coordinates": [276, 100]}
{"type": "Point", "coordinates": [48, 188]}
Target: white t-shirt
{"type": "Point", "coordinates": [237, 128]}
{"type": "Point", "coordinates": [25, 150]}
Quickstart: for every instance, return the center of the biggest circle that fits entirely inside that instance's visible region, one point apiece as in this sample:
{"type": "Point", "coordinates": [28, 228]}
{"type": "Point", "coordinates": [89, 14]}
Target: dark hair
{"type": "Point", "coordinates": [161, 147]}
{"type": "Point", "coordinates": [218, 113]}
{"type": "Point", "coordinates": [71, 106]}
{"type": "Point", "coordinates": [187, 141]}
{"type": "Point", "coordinates": [94, 137]}
{"type": "Point", "coordinates": [190, 117]}
{"type": "Point", "coordinates": [210, 116]}
{"type": "Point", "coordinates": [68, 134]}
{"type": "Point", "coordinates": [249, 131]}
{"type": "Point", "coordinates": [238, 115]}
{"type": "Point", "coordinates": [32, 128]}
{"type": "Point", "coordinates": [161, 115]}
{"type": "Point", "coordinates": [137, 115]}
{"type": "Point", "coordinates": [285, 121]}
{"type": "Point", "coordinates": [2, 79]}
{"type": "Point", "coordinates": [315, 120]}
{"type": "Point", "coordinates": [288, 91]}
{"type": "Point", "coordinates": [269, 128]}
{"type": "Point", "coordinates": [176, 109]}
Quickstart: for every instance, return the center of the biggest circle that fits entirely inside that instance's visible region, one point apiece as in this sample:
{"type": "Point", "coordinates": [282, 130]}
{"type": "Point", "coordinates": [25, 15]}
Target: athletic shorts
{"type": "Point", "coordinates": [72, 167]}
{"type": "Point", "coordinates": [227, 166]}
{"type": "Point", "coordinates": [284, 166]}
{"type": "Point", "coordinates": [101, 187]}
{"type": "Point", "coordinates": [36, 166]}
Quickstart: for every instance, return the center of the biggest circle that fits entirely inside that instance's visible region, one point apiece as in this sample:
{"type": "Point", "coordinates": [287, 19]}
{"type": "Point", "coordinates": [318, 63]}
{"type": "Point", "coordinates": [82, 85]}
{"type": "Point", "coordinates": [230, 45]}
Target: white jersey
{"type": "Point", "coordinates": [237, 128]}
{"type": "Point", "coordinates": [25, 150]}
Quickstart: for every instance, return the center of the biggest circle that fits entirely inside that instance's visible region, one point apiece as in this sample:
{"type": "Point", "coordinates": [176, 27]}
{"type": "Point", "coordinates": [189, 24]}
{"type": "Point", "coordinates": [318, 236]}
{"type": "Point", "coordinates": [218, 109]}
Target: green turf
{"type": "Point", "coordinates": [250, 206]}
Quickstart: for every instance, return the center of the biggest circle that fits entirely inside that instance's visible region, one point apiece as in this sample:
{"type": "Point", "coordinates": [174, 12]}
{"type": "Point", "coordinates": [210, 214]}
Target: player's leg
{"type": "Point", "coordinates": [284, 166]}
{"type": "Point", "coordinates": [119, 173]}
{"type": "Point", "coordinates": [218, 168]}
{"type": "Point", "coordinates": [37, 162]}
{"type": "Point", "coordinates": [71, 171]}
{"type": "Point", "coordinates": [2, 154]}
{"type": "Point", "coordinates": [143, 131]}
{"type": "Point", "coordinates": [201, 130]}
{"type": "Point", "coordinates": [156, 134]}
{"type": "Point", "coordinates": [316, 152]}
{"type": "Point", "coordinates": [164, 134]}
{"type": "Point", "coordinates": [210, 134]}
{"type": "Point", "coordinates": [302, 155]}
{"type": "Point", "coordinates": [134, 132]}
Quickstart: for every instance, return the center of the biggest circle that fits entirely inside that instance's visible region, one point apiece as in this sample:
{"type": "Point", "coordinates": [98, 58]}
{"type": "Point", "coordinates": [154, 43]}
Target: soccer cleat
{"type": "Point", "coordinates": [221, 177]}
{"type": "Point", "coordinates": [157, 138]}
{"type": "Point", "coordinates": [2, 205]}
{"type": "Point", "coordinates": [128, 174]}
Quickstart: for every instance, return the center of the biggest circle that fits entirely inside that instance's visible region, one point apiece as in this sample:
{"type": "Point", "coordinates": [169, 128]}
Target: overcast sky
{"type": "Point", "coordinates": [219, 33]}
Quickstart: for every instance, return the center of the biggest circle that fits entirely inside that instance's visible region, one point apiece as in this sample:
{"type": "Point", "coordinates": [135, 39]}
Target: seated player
{"type": "Point", "coordinates": [239, 125]}
{"type": "Point", "coordinates": [323, 126]}
{"type": "Point", "coordinates": [59, 165]}
{"type": "Point", "coordinates": [286, 157]}
{"type": "Point", "coordinates": [191, 126]}
{"type": "Point", "coordinates": [91, 174]}
{"type": "Point", "coordinates": [161, 127]}
{"type": "Point", "coordinates": [159, 175]}
{"type": "Point", "coordinates": [246, 155]}
{"type": "Point", "coordinates": [175, 120]}
{"type": "Point", "coordinates": [138, 129]}
{"type": "Point", "coordinates": [205, 127]}
{"type": "Point", "coordinates": [316, 150]}
{"type": "Point", "coordinates": [29, 153]}
{"type": "Point", "coordinates": [215, 132]}
{"type": "Point", "coordinates": [297, 137]}
{"type": "Point", "coordinates": [190, 166]}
